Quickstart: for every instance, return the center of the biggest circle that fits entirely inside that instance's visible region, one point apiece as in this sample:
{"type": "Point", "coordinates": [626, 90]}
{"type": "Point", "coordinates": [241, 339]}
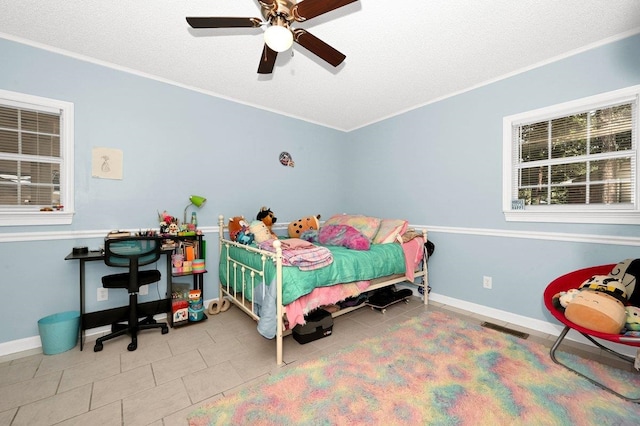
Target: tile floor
{"type": "Point", "coordinates": [170, 375]}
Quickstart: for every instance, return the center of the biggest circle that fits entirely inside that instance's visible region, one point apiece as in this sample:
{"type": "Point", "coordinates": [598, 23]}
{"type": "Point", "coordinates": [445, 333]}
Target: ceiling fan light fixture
{"type": "Point", "coordinates": [278, 38]}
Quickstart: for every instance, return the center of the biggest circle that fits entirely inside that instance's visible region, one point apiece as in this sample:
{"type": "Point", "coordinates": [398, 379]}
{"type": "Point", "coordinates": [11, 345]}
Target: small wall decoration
{"type": "Point", "coordinates": [517, 204]}
{"type": "Point", "coordinates": [106, 163]}
{"type": "Point", "coordinates": [286, 160]}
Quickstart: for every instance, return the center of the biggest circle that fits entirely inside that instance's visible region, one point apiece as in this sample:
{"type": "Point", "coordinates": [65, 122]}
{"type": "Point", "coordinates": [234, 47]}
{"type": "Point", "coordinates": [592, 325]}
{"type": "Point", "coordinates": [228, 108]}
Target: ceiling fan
{"type": "Point", "coordinates": [279, 36]}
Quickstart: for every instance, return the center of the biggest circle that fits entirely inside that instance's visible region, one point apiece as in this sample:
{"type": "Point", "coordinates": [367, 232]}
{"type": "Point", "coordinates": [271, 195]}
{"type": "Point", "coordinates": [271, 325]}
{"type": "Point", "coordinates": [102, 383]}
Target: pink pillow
{"type": "Point", "coordinates": [343, 235]}
{"type": "Point", "coordinates": [366, 225]}
{"type": "Point", "coordinates": [389, 230]}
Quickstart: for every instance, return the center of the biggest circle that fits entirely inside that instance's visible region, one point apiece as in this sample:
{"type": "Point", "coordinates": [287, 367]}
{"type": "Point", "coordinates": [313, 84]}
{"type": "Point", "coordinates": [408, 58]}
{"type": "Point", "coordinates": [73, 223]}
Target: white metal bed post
{"type": "Point", "coordinates": [220, 237]}
{"type": "Point", "coordinates": [280, 325]}
{"type": "Point", "coordinates": [425, 270]}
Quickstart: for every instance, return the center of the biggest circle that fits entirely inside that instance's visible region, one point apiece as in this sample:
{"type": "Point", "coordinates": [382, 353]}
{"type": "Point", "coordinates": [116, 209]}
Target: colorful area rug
{"type": "Point", "coordinates": [433, 370]}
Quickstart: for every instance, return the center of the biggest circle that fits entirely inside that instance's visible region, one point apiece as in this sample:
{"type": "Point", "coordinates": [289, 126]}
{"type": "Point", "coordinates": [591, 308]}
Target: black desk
{"type": "Point", "coordinates": [95, 319]}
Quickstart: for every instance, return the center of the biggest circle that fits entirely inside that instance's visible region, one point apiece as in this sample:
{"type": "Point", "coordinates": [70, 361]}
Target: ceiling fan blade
{"type": "Point", "coordinates": [224, 22]}
{"type": "Point", "coordinates": [267, 60]}
{"type": "Point", "coordinates": [318, 47]}
{"type": "Point", "coordinates": [308, 9]}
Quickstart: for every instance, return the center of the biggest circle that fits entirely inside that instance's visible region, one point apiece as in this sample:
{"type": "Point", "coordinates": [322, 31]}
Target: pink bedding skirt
{"type": "Point", "coordinates": [321, 296]}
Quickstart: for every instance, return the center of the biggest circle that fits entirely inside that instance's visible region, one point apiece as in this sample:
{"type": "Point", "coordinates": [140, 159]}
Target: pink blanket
{"type": "Point", "coordinates": [320, 296]}
{"type": "Point", "coordinates": [413, 252]}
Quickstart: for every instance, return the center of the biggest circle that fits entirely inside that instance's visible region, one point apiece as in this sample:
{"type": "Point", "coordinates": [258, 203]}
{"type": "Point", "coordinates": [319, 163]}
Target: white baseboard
{"type": "Point", "coordinates": [33, 343]}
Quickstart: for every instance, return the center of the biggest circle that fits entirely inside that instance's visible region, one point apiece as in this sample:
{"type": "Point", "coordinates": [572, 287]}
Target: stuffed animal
{"type": "Point", "coordinates": [599, 305]}
{"type": "Point", "coordinates": [297, 228]}
{"type": "Point", "coordinates": [606, 284]}
{"type": "Point", "coordinates": [628, 272]}
{"type": "Point", "coordinates": [597, 311]}
{"type": "Point", "coordinates": [260, 231]}
{"type": "Point", "coordinates": [565, 297]}
{"type": "Point", "coordinates": [239, 230]}
{"type": "Point", "coordinates": [633, 318]}
{"type": "Point", "coordinates": [267, 217]}
{"type": "Point", "coordinates": [168, 223]}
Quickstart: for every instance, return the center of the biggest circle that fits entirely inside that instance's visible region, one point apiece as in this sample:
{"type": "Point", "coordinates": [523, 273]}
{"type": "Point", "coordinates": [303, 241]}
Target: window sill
{"type": "Point", "coordinates": [605, 217]}
{"type": "Point", "coordinates": [35, 218]}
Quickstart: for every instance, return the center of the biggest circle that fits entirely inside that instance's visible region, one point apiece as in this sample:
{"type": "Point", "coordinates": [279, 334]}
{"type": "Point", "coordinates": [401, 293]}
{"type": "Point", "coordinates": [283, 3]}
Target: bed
{"type": "Point", "coordinates": [267, 286]}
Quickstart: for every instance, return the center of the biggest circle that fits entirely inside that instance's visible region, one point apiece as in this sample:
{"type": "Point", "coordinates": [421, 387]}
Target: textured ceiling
{"type": "Point", "coordinates": [400, 54]}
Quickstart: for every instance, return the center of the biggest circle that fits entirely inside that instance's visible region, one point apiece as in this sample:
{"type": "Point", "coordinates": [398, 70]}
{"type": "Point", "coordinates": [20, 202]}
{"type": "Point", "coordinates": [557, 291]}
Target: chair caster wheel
{"type": "Point", "coordinates": [165, 330]}
{"type": "Point", "coordinates": [98, 347]}
{"type": "Point", "coordinates": [132, 346]}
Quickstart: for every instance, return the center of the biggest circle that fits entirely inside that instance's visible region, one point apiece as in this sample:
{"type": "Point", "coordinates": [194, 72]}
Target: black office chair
{"type": "Point", "coordinates": [131, 252]}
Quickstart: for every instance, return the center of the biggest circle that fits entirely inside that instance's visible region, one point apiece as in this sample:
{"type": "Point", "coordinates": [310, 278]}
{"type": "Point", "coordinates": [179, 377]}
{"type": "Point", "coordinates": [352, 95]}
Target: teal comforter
{"type": "Point", "coordinates": [348, 266]}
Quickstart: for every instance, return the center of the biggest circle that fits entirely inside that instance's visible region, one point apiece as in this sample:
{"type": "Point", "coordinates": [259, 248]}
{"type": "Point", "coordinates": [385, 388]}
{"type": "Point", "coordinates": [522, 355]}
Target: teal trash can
{"type": "Point", "coordinates": [59, 332]}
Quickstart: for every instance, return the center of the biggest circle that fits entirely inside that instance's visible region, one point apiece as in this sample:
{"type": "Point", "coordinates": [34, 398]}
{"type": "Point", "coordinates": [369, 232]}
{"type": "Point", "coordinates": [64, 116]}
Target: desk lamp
{"type": "Point", "coordinates": [195, 200]}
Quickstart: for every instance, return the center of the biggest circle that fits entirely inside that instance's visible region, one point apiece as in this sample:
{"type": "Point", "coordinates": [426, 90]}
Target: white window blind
{"type": "Point", "coordinates": [576, 157]}
{"type": "Point", "coordinates": [36, 160]}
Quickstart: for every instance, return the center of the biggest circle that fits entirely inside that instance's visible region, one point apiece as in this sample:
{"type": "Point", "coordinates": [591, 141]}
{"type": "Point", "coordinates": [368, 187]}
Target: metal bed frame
{"type": "Point", "coordinates": [257, 274]}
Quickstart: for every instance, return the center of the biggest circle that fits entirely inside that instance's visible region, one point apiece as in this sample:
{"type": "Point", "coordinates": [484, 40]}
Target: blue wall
{"type": "Point", "coordinates": [443, 166]}
{"type": "Point", "coordinates": [438, 166]}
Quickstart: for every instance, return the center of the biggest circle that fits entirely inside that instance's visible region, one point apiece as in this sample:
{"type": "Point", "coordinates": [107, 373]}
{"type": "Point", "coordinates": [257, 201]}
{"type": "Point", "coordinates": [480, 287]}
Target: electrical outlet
{"type": "Point", "coordinates": [144, 290]}
{"type": "Point", "coordinates": [486, 282]}
{"type": "Point", "coordinates": [103, 294]}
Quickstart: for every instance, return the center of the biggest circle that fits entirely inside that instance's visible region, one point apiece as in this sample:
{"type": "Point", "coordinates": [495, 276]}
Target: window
{"type": "Point", "coordinates": [574, 162]}
{"type": "Point", "coordinates": [36, 160]}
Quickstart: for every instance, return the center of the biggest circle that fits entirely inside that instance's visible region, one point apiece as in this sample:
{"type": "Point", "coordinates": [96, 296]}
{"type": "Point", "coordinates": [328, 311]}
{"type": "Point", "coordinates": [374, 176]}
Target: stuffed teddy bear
{"type": "Point", "coordinates": [633, 318]}
{"type": "Point", "coordinates": [599, 305]}
{"type": "Point", "coordinates": [260, 231]}
{"type": "Point", "coordinates": [267, 217]}
{"type": "Point", "coordinates": [297, 228]}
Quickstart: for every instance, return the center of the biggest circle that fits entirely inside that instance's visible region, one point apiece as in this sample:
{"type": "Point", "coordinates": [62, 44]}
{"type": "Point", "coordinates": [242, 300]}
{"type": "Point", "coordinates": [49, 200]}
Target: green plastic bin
{"type": "Point", "coordinates": [59, 332]}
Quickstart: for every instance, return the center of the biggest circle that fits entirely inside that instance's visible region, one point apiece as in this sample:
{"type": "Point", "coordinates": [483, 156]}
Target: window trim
{"type": "Point", "coordinates": [19, 216]}
{"type": "Point", "coordinates": [569, 214]}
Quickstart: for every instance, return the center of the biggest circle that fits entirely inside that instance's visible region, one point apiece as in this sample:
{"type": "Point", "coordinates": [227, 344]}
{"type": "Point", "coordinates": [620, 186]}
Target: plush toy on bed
{"type": "Point", "coordinates": [300, 226]}
{"type": "Point", "coordinates": [260, 231]}
{"type": "Point", "coordinates": [599, 305]}
{"type": "Point", "coordinates": [267, 217]}
{"type": "Point", "coordinates": [239, 230]}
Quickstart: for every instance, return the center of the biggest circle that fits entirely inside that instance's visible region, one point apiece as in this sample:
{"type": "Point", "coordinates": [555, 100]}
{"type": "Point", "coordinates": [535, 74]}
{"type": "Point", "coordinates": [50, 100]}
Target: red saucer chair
{"type": "Point", "coordinates": [573, 280]}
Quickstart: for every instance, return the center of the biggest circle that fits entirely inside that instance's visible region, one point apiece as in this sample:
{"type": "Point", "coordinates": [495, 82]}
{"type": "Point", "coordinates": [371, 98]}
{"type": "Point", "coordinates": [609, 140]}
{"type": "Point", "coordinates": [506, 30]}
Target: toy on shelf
{"type": "Point", "coordinates": [196, 308]}
{"type": "Point", "coordinates": [180, 303]}
{"type": "Point", "coordinates": [168, 224]}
